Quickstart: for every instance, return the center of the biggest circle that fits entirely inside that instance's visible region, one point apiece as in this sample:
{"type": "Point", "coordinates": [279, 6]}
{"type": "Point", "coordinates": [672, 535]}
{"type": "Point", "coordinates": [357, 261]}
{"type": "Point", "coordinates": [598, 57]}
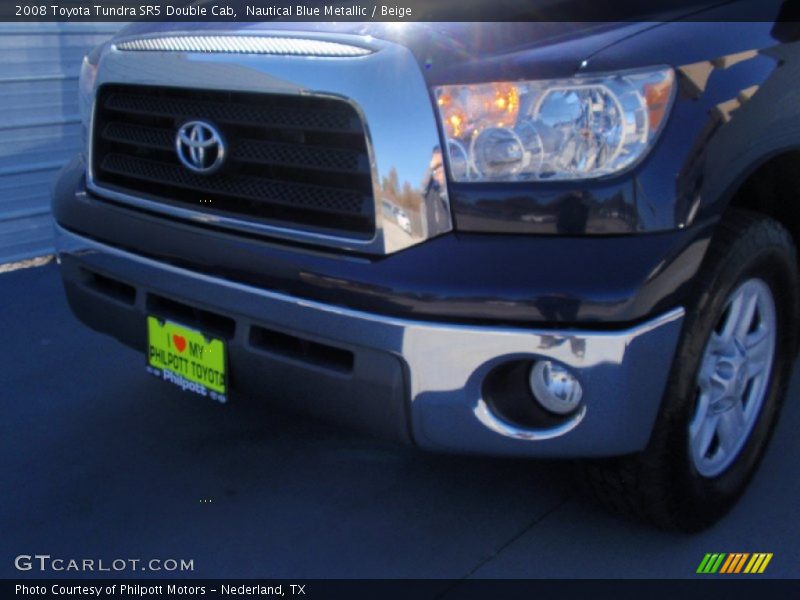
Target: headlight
{"type": "Point", "coordinates": [577, 128]}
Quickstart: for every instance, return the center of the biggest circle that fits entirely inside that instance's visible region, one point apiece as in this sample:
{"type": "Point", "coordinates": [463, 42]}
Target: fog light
{"type": "Point", "coordinates": [555, 388]}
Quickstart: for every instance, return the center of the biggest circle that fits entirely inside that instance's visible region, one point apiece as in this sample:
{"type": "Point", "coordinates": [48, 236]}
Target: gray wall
{"type": "Point", "coordinates": [39, 124]}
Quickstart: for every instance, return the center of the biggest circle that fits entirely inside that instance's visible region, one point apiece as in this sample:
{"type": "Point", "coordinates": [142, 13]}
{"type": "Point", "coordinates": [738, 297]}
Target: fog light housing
{"type": "Point", "coordinates": [555, 387]}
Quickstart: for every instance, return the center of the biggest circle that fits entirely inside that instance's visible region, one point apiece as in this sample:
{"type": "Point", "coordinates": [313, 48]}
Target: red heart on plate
{"type": "Point", "coordinates": [180, 342]}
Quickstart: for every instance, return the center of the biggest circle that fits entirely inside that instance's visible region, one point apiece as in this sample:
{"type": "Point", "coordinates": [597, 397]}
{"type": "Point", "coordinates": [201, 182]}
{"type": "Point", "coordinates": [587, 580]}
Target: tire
{"type": "Point", "coordinates": [679, 482]}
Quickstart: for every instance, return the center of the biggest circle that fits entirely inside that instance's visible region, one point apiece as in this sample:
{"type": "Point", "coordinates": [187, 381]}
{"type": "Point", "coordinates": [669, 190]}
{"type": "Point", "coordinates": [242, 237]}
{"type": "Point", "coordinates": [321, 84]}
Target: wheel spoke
{"type": "Point", "coordinates": [716, 343]}
{"type": "Point", "coordinates": [748, 305]}
{"type": "Point", "coordinates": [705, 375]}
{"type": "Point", "coordinates": [730, 426]}
{"type": "Point", "coordinates": [759, 349]}
{"type": "Point", "coordinates": [733, 316]}
{"type": "Point", "coordinates": [703, 427]}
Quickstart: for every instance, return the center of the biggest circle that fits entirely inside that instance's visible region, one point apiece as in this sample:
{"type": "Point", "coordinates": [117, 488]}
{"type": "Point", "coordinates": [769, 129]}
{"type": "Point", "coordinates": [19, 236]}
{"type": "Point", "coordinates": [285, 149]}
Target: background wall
{"type": "Point", "coordinates": [39, 124]}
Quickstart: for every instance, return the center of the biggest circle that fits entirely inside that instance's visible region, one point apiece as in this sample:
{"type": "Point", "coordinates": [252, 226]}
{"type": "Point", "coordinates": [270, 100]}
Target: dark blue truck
{"type": "Point", "coordinates": [523, 239]}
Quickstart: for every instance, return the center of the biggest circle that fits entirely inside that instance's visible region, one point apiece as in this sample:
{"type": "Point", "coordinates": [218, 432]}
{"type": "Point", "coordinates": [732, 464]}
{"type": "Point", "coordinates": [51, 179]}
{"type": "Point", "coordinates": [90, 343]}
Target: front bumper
{"type": "Point", "coordinates": [401, 379]}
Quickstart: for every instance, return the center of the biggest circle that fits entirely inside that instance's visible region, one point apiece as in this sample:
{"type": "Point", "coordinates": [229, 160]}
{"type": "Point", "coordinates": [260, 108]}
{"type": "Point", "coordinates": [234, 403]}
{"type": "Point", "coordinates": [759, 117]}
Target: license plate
{"type": "Point", "coordinates": [187, 358]}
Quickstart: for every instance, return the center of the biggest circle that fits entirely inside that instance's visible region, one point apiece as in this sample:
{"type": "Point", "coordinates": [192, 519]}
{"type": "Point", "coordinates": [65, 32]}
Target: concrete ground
{"type": "Point", "coordinates": [99, 460]}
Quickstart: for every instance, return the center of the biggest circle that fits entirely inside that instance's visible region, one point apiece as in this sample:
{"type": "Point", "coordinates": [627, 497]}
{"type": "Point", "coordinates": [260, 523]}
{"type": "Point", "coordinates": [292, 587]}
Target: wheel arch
{"type": "Point", "coordinates": [772, 188]}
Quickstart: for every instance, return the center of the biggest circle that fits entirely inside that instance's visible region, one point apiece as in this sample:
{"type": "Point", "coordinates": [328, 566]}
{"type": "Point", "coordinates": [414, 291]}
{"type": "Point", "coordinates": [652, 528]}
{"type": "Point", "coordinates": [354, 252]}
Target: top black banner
{"type": "Point", "coordinates": [397, 10]}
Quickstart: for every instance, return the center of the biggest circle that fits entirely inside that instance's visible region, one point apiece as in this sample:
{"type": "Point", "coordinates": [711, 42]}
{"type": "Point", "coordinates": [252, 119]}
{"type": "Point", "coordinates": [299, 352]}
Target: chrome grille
{"type": "Point", "coordinates": [293, 161]}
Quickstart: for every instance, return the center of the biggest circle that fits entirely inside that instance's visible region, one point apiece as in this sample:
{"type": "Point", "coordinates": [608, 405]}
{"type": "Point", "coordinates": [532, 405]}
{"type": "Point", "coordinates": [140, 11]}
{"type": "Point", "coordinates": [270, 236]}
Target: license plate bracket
{"type": "Point", "coordinates": [190, 359]}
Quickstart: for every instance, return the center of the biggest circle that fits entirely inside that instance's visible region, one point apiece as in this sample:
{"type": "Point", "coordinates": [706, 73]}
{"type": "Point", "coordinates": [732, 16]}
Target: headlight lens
{"type": "Point", "coordinates": [577, 128]}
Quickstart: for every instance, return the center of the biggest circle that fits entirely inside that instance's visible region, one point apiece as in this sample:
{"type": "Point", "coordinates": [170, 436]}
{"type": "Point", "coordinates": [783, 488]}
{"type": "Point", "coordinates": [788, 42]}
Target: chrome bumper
{"type": "Point", "coordinates": [623, 373]}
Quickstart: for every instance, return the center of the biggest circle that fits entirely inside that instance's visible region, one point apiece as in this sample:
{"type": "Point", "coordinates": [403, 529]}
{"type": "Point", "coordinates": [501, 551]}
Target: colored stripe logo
{"type": "Point", "coordinates": [733, 563]}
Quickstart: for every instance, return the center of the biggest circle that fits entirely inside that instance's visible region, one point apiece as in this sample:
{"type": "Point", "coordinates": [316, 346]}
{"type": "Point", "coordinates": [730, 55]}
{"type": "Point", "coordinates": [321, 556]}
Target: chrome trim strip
{"type": "Point", "coordinates": [243, 44]}
{"type": "Point", "coordinates": [623, 372]}
{"type": "Point", "coordinates": [385, 87]}
{"type": "Point", "coordinates": [485, 415]}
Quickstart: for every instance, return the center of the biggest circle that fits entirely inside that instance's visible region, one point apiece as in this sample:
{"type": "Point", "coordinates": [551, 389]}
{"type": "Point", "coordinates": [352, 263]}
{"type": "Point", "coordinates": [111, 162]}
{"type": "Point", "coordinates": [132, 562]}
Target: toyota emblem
{"type": "Point", "coordinates": [200, 147]}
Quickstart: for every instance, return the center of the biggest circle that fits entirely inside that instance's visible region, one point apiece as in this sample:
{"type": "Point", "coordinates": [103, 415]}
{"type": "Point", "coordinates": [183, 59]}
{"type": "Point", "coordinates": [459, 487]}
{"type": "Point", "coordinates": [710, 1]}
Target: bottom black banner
{"type": "Point", "coordinates": [380, 589]}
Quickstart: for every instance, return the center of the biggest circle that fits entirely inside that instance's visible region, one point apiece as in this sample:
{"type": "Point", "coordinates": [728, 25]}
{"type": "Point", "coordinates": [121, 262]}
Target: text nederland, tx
{"type": "Point", "coordinates": [98, 591]}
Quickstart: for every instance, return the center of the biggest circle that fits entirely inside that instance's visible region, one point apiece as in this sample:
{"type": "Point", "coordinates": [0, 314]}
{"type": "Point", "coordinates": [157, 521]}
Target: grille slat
{"type": "Point", "coordinates": [239, 114]}
{"type": "Point", "coordinates": [136, 135]}
{"type": "Point", "coordinates": [299, 162]}
{"type": "Point", "coordinates": [298, 156]}
{"type": "Point", "coordinates": [245, 150]}
{"type": "Point", "coordinates": [251, 188]}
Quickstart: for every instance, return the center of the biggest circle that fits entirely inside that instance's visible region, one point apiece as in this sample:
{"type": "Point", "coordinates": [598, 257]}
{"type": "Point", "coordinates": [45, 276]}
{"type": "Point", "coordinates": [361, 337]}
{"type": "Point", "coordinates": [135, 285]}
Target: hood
{"type": "Point", "coordinates": [461, 52]}
{"type": "Point", "coordinates": [451, 52]}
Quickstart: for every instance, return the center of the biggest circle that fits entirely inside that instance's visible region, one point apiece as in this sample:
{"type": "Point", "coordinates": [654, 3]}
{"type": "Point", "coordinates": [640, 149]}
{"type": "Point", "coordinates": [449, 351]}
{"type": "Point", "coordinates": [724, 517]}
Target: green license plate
{"type": "Point", "coordinates": [187, 358]}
